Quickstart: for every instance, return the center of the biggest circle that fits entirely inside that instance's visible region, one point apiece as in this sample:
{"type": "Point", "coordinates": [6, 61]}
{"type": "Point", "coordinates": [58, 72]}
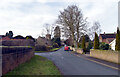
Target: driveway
{"type": "Point", "coordinates": [70, 64]}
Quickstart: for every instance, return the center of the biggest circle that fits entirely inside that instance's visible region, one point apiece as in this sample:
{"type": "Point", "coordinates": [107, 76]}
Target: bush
{"type": "Point", "coordinates": [117, 45]}
{"type": "Point", "coordinates": [55, 45]}
{"type": "Point", "coordinates": [90, 45]}
{"type": "Point", "coordinates": [49, 48]}
{"type": "Point", "coordinates": [83, 44]}
{"type": "Point", "coordinates": [73, 46]}
{"type": "Point", "coordinates": [40, 48]}
{"type": "Point", "coordinates": [104, 46]}
{"type": "Point", "coordinates": [96, 41]}
{"type": "Point", "coordinates": [79, 45]}
{"type": "Point", "coordinates": [57, 40]}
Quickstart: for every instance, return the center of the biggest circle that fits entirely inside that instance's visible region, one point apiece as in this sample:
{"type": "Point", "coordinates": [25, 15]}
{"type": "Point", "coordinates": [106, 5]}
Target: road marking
{"type": "Point", "coordinates": [99, 63]}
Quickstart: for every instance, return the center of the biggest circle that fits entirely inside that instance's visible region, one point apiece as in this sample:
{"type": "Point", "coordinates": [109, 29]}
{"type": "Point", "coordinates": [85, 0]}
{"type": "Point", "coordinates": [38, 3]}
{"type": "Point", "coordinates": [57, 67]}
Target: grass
{"type": "Point", "coordinates": [41, 51]}
{"type": "Point", "coordinates": [54, 49]}
{"type": "Point", "coordinates": [36, 66]}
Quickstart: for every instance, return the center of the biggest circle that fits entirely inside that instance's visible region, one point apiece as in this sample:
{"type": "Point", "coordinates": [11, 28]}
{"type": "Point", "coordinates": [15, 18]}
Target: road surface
{"type": "Point", "coordinates": [70, 64]}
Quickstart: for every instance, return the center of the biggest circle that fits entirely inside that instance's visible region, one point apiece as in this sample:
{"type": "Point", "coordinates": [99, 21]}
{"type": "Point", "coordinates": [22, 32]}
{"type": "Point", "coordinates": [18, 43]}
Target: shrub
{"type": "Point", "coordinates": [117, 46]}
{"type": "Point", "coordinates": [41, 48]}
{"type": "Point", "coordinates": [73, 46]}
{"type": "Point", "coordinates": [57, 40]}
{"type": "Point", "coordinates": [96, 41]}
{"type": "Point", "coordinates": [90, 45]}
{"type": "Point", "coordinates": [49, 48]}
{"type": "Point", "coordinates": [83, 44]}
{"type": "Point", "coordinates": [30, 37]}
{"type": "Point", "coordinates": [104, 46]}
{"type": "Point", "coordinates": [79, 45]}
{"type": "Point", "coordinates": [55, 45]}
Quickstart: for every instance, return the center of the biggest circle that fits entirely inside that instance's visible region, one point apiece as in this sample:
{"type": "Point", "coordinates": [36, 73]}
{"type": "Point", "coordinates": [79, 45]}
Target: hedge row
{"type": "Point", "coordinates": [6, 50]}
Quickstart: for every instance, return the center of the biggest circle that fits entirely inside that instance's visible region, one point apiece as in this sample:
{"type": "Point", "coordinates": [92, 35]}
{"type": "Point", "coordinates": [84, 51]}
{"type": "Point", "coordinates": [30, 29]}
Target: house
{"type": "Point", "coordinates": [107, 37]}
{"type": "Point", "coordinates": [44, 40]}
{"type": "Point", "coordinates": [3, 38]}
{"type": "Point", "coordinates": [69, 41]}
{"type": "Point", "coordinates": [6, 38]}
{"type": "Point", "coordinates": [112, 44]}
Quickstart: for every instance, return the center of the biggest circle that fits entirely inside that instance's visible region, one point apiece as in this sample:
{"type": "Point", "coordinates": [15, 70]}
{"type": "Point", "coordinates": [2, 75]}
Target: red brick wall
{"type": "Point", "coordinates": [12, 57]}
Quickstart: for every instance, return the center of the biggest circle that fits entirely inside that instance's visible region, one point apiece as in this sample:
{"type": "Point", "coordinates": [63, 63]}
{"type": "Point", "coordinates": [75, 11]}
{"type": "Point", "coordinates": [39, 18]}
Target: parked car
{"type": "Point", "coordinates": [66, 48]}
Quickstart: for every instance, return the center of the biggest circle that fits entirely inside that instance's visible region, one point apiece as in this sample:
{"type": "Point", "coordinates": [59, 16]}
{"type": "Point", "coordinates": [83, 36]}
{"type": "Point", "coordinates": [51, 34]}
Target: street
{"type": "Point", "coordinates": [70, 64]}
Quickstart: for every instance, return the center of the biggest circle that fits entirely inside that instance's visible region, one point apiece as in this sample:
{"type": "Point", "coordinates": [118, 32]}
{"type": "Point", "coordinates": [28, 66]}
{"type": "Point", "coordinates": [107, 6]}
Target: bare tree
{"type": "Point", "coordinates": [48, 29]}
{"type": "Point", "coordinates": [95, 28]}
{"type": "Point", "coordinates": [74, 25]}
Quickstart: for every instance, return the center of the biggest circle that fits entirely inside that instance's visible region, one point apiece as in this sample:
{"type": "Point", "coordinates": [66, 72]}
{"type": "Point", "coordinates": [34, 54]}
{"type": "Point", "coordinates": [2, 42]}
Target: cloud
{"type": "Point", "coordinates": [27, 17]}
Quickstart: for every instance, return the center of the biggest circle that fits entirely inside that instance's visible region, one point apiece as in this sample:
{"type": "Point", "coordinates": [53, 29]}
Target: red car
{"type": "Point", "coordinates": [66, 48]}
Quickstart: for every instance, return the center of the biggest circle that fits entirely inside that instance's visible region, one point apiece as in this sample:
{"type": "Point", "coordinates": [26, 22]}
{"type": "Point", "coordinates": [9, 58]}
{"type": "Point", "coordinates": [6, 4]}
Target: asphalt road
{"type": "Point", "coordinates": [70, 64]}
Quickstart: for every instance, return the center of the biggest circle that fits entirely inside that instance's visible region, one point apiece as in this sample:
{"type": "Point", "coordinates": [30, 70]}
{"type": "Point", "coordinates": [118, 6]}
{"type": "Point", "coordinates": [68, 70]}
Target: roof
{"type": "Point", "coordinates": [110, 39]}
{"type": "Point", "coordinates": [6, 38]}
{"type": "Point", "coordinates": [2, 35]}
{"type": "Point", "coordinates": [113, 41]}
{"type": "Point", "coordinates": [105, 36]}
{"type": "Point", "coordinates": [108, 36]}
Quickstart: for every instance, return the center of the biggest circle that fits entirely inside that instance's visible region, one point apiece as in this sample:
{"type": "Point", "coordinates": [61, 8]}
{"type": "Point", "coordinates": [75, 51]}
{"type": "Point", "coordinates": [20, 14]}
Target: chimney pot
{"type": "Point", "coordinates": [104, 32]}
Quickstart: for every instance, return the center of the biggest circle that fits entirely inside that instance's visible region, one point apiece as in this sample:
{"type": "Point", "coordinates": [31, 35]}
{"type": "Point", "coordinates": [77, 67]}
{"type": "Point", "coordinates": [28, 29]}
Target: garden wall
{"type": "Point", "coordinates": [13, 56]}
{"type": "Point", "coordinates": [79, 50]}
{"type": "Point", "coordinates": [107, 55]}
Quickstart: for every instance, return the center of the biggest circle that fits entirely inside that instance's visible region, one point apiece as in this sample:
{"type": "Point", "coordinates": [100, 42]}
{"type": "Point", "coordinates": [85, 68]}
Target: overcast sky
{"type": "Point", "coordinates": [27, 17]}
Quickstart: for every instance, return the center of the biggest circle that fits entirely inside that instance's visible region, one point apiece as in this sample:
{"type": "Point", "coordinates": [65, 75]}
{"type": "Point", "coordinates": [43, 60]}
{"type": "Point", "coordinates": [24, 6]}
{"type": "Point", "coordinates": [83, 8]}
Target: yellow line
{"type": "Point", "coordinates": [104, 64]}
{"type": "Point", "coordinates": [100, 63]}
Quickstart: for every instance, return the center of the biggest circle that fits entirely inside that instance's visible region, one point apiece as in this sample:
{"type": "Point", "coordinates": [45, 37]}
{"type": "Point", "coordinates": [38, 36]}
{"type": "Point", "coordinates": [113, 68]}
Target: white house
{"type": "Point", "coordinates": [112, 44]}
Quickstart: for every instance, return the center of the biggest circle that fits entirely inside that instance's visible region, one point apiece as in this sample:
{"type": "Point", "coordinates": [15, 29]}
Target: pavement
{"type": "Point", "coordinates": [75, 64]}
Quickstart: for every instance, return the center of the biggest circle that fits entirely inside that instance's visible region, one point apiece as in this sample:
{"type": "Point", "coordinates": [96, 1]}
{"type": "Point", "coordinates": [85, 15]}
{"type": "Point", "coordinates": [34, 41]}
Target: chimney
{"type": "Point", "coordinates": [48, 36]}
{"type": "Point", "coordinates": [104, 33]}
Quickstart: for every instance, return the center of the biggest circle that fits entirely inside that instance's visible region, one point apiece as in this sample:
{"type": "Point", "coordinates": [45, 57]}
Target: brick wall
{"type": "Point", "coordinates": [12, 57]}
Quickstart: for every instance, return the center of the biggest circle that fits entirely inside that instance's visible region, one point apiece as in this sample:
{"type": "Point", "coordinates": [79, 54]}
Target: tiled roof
{"type": "Point", "coordinates": [110, 37]}
{"type": "Point", "coordinates": [6, 38]}
{"type": "Point", "coordinates": [110, 40]}
{"type": "Point", "coordinates": [105, 36]}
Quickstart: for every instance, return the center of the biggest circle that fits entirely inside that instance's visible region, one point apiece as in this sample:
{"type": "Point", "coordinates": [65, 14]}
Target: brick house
{"type": "Point", "coordinates": [69, 41]}
{"type": "Point", "coordinates": [107, 37]}
{"type": "Point", "coordinates": [3, 38]}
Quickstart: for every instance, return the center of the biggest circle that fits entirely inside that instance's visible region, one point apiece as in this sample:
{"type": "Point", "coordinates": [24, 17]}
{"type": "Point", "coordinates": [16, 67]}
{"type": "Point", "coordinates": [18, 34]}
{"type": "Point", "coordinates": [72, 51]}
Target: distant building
{"type": "Point", "coordinates": [6, 38]}
{"type": "Point", "coordinates": [44, 41]}
{"type": "Point", "coordinates": [69, 41]}
{"type": "Point", "coordinates": [107, 37]}
{"type": "Point", "coordinates": [3, 38]}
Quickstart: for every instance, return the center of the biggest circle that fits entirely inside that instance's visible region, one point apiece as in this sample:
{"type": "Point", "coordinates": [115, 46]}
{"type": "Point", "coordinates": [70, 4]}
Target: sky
{"type": "Point", "coordinates": [28, 17]}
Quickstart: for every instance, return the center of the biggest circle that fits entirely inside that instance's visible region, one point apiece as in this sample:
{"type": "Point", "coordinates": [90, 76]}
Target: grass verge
{"type": "Point", "coordinates": [36, 66]}
{"type": "Point", "coordinates": [54, 49]}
